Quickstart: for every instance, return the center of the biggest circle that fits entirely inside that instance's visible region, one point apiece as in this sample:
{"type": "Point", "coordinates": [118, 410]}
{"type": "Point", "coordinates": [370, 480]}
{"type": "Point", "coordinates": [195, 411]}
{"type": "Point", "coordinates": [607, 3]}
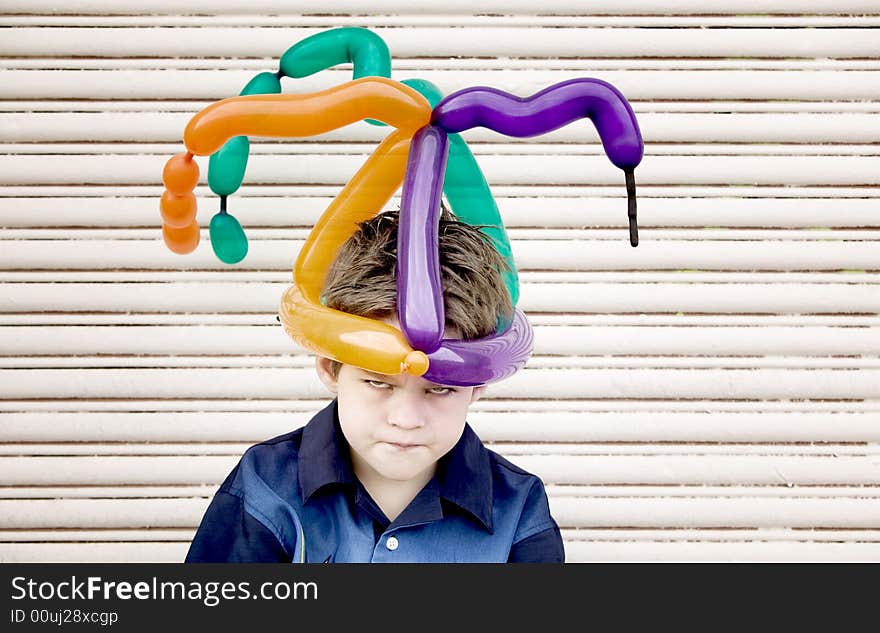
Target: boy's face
{"type": "Point", "coordinates": [397, 426]}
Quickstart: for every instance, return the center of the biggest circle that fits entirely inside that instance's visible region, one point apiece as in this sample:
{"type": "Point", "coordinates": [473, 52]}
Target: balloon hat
{"type": "Point", "coordinates": [427, 156]}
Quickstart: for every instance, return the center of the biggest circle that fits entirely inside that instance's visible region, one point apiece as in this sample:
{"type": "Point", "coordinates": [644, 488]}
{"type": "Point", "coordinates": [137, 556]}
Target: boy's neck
{"type": "Point", "coordinates": [392, 496]}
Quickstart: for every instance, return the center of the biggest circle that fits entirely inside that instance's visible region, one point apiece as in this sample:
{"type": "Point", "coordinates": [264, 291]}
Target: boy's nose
{"type": "Point", "coordinates": [405, 412]}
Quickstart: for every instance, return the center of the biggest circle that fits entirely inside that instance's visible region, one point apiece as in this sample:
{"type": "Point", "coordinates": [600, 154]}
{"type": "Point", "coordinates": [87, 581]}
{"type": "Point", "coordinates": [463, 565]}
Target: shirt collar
{"type": "Point", "coordinates": [465, 477]}
{"type": "Point", "coordinates": [464, 474]}
{"type": "Point", "coordinates": [323, 453]}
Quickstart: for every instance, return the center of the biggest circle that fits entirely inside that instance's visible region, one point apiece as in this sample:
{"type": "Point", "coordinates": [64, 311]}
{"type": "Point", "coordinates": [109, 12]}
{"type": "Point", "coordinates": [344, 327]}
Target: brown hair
{"type": "Point", "coordinates": [362, 281]}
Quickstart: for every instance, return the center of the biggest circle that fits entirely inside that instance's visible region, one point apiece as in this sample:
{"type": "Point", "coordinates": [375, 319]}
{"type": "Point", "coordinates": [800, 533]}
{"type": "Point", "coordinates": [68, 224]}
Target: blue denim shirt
{"type": "Point", "coordinates": [295, 498]}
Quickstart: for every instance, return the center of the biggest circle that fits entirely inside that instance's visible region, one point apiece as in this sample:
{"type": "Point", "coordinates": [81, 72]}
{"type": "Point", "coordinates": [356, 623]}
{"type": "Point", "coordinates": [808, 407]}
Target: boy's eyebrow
{"type": "Point", "coordinates": [386, 377]}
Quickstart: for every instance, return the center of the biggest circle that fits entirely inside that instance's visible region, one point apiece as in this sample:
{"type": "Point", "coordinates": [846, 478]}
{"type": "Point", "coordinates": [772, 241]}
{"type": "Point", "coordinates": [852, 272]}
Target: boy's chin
{"type": "Point", "coordinates": [403, 471]}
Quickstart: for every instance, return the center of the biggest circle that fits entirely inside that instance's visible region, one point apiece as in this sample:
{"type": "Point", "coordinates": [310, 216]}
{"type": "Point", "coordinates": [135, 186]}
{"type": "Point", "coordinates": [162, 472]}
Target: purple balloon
{"type": "Point", "coordinates": [466, 363]}
{"type": "Point", "coordinates": [419, 286]}
{"type": "Point", "coordinates": [552, 108]}
{"type": "Point", "coordinates": [547, 110]}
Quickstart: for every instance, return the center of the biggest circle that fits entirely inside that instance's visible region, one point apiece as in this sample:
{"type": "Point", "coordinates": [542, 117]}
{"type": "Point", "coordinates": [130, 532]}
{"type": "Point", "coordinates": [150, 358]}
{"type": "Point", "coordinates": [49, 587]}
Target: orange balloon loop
{"type": "Point", "coordinates": [181, 240]}
{"type": "Point", "coordinates": [181, 174]}
{"type": "Point", "coordinates": [348, 338]}
{"type": "Point", "coordinates": [178, 211]}
{"type": "Point", "coordinates": [299, 115]}
{"type": "Point", "coordinates": [362, 197]}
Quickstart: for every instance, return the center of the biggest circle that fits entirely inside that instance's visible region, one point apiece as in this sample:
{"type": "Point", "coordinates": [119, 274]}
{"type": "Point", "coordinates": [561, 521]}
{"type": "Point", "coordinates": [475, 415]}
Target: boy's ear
{"type": "Point", "coordinates": [478, 393]}
{"type": "Point", "coordinates": [322, 366]}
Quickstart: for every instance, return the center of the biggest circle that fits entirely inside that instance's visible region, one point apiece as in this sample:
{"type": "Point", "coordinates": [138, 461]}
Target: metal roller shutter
{"type": "Point", "coordinates": [713, 394]}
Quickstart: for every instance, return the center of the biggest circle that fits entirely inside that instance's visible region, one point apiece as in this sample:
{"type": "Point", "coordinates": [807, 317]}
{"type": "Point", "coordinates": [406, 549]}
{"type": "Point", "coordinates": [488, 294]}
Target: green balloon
{"type": "Point", "coordinates": [265, 83]}
{"type": "Point", "coordinates": [362, 48]}
{"type": "Point", "coordinates": [227, 238]}
{"type": "Point", "coordinates": [472, 202]}
{"type": "Point", "coordinates": [226, 166]}
{"type": "Point", "coordinates": [468, 192]}
{"type": "Point", "coordinates": [427, 89]}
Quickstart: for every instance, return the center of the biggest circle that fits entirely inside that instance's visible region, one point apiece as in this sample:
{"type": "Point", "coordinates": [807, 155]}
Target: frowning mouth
{"type": "Point", "coordinates": [402, 447]}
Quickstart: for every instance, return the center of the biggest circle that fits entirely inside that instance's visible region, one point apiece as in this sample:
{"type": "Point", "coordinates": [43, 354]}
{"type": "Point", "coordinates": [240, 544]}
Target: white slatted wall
{"type": "Point", "coordinates": [713, 394]}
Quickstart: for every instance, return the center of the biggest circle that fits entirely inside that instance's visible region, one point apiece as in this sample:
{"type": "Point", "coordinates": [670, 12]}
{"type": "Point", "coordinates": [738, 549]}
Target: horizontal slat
{"type": "Point", "coordinates": [505, 41]}
{"type": "Point", "coordinates": [102, 536]}
{"type": "Point", "coordinates": [558, 339]}
{"type": "Point", "coordinates": [581, 170]}
{"type": "Point", "coordinates": [283, 149]}
{"type": "Point", "coordinates": [570, 536]}
{"type": "Point", "coordinates": [583, 405]}
{"type": "Point", "coordinates": [132, 319]}
{"type": "Point", "coordinates": [113, 492]}
{"type": "Point", "coordinates": [764, 535]}
{"type": "Point", "coordinates": [659, 469]}
{"type": "Point", "coordinates": [659, 253]}
{"type": "Point", "coordinates": [567, 362]}
{"type": "Point", "coordinates": [529, 191]}
{"type": "Point", "coordinates": [717, 513]}
{"type": "Point", "coordinates": [434, 20]}
{"type": "Point", "coordinates": [516, 212]}
{"type": "Point", "coordinates": [554, 7]}
{"type": "Point", "coordinates": [688, 276]}
{"type": "Point", "coordinates": [755, 298]}
{"type": "Point", "coordinates": [792, 22]}
{"type": "Point", "coordinates": [700, 551]}
{"type": "Point", "coordinates": [586, 512]}
{"type": "Point", "coordinates": [524, 235]}
{"type": "Point", "coordinates": [141, 552]}
{"type": "Point", "coordinates": [590, 65]}
{"type": "Point", "coordinates": [637, 85]}
{"type": "Point", "coordinates": [206, 491]}
{"type": "Point", "coordinates": [92, 127]}
{"type": "Point", "coordinates": [841, 425]}
{"type": "Point", "coordinates": [513, 450]}
{"type": "Point", "coordinates": [102, 513]}
{"type": "Point", "coordinates": [254, 382]}
{"type": "Point", "coordinates": [189, 107]}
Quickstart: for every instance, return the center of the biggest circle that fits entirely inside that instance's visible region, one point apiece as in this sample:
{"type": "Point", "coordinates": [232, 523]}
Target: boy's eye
{"type": "Point", "coordinates": [440, 390]}
{"type": "Point", "coordinates": [378, 384]}
{"type": "Point", "coordinates": [437, 391]}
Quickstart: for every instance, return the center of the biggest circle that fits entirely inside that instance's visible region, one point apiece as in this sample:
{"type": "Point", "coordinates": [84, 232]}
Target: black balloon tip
{"type": "Point", "coordinates": [631, 207]}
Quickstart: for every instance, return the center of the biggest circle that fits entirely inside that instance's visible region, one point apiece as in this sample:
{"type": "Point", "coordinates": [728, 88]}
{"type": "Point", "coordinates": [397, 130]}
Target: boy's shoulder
{"type": "Point", "coordinates": [505, 475]}
{"type": "Point", "coordinates": [275, 461]}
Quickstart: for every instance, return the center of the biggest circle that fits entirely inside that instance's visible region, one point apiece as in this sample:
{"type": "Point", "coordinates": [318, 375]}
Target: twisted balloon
{"type": "Point", "coordinates": [425, 153]}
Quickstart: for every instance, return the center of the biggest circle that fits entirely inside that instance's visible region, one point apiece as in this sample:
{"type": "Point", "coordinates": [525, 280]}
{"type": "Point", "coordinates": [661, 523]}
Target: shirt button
{"type": "Point", "coordinates": [392, 543]}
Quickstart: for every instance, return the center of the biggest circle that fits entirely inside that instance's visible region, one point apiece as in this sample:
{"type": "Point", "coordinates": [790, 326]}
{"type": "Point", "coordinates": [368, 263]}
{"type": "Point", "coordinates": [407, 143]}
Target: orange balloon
{"type": "Point", "coordinates": [177, 211]}
{"type": "Point", "coordinates": [181, 174]}
{"type": "Point", "coordinates": [181, 240]}
{"type": "Point", "coordinates": [297, 115]}
{"type": "Point", "coordinates": [363, 197]}
{"type": "Point", "coordinates": [348, 338]}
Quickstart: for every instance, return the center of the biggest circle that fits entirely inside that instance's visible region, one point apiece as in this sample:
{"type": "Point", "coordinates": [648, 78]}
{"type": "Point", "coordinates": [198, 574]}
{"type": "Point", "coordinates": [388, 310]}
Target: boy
{"type": "Point", "coordinates": [389, 471]}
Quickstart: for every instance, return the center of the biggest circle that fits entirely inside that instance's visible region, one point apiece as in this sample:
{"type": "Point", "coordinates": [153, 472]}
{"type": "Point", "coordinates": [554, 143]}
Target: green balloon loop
{"type": "Point", "coordinates": [355, 45]}
{"type": "Point", "coordinates": [469, 195]}
{"type": "Point", "coordinates": [227, 238]}
{"type": "Point", "coordinates": [227, 165]}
